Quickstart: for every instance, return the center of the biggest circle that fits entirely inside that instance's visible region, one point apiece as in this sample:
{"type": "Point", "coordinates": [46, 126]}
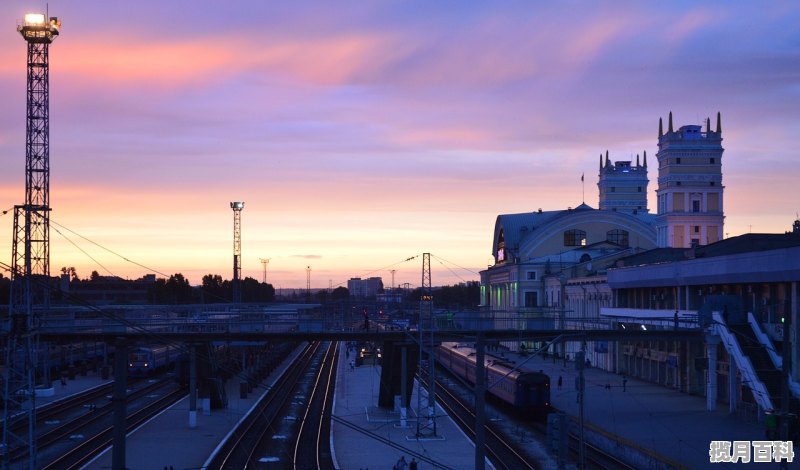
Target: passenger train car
{"type": "Point", "coordinates": [144, 361]}
{"type": "Point", "coordinates": [528, 392]}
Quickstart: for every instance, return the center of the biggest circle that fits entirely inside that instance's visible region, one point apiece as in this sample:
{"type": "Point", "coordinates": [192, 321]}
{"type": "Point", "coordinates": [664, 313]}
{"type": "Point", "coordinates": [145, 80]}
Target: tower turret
{"type": "Point", "coordinates": [690, 190]}
{"type": "Point", "coordinates": [623, 187]}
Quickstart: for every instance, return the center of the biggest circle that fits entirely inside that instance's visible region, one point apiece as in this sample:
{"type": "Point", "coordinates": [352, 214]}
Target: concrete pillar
{"type": "Point", "coordinates": [403, 387]}
{"type": "Point", "coordinates": [711, 385]}
{"type": "Point", "coordinates": [192, 387]}
{"type": "Point", "coordinates": [795, 332]}
{"type": "Point", "coordinates": [732, 387]}
{"type": "Point", "coordinates": [120, 403]}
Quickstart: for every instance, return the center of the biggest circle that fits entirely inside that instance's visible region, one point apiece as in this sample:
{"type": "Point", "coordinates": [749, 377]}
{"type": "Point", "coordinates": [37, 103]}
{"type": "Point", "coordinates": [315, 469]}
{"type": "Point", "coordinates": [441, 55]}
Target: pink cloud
{"type": "Point", "coordinates": [690, 23]}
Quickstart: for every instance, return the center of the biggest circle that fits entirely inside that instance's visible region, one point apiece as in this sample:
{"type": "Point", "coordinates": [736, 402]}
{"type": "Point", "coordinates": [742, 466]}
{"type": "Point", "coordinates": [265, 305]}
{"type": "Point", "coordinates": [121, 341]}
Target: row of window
{"type": "Point", "coordinates": [576, 237]}
{"type": "Point", "coordinates": [614, 189]}
{"type": "Point", "coordinates": [711, 161]}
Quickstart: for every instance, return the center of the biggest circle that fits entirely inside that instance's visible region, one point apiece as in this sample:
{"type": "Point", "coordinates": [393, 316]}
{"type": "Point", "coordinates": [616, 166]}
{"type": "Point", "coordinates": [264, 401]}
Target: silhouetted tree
{"type": "Point", "coordinates": [215, 290]}
{"type": "Point", "coordinates": [340, 293]}
{"type": "Point", "coordinates": [5, 289]}
{"type": "Point", "coordinates": [175, 290]}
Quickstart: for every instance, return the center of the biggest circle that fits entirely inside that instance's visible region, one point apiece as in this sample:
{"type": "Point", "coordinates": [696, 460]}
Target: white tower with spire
{"type": "Point", "coordinates": [690, 204]}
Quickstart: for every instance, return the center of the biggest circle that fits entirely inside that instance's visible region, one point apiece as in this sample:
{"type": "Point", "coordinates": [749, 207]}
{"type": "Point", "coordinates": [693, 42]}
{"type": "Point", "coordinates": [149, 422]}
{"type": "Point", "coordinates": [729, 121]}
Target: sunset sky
{"type": "Point", "coordinates": [360, 134]}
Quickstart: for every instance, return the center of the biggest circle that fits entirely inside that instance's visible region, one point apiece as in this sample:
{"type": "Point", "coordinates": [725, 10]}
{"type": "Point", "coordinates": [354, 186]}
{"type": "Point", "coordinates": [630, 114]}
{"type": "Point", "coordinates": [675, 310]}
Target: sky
{"type": "Point", "coordinates": [361, 134]}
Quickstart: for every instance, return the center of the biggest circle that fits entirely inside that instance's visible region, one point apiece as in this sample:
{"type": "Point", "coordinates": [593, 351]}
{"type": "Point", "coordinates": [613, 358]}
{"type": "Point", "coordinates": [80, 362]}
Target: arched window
{"type": "Point", "coordinates": [501, 247]}
{"type": "Point", "coordinates": [620, 237]}
{"type": "Point", "coordinates": [574, 237]}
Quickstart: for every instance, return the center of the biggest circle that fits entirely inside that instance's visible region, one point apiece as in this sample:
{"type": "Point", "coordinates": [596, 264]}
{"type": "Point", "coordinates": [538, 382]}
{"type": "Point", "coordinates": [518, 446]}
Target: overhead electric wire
{"type": "Point", "coordinates": [166, 276]}
{"type": "Point", "coordinates": [109, 250]}
{"type": "Point", "coordinates": [84, 252]}
{"type": "Point", "coordinates": [410, 258]}
{"type": "Point", "coordinates": [448, 268]}
{"type": "Point", "coordinates": [454, 264]}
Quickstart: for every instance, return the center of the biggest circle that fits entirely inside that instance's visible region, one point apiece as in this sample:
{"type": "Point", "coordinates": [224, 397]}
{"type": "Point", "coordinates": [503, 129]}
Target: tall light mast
{"type": "Point", "coordinates": [237, 251]}
{"type": "Point", "coordinates": [31, 241]}
{"type": "Point", "coordinates": [308, 283]}
{"type": "Point", "coordinates": [264, 263]}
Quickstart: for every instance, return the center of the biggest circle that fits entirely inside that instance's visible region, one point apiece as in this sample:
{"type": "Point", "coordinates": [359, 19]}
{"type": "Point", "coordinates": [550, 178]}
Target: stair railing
{"type": "Point", "coordinates": [766, 342]}
{"type": "Point", "coordinates": [749, 376]}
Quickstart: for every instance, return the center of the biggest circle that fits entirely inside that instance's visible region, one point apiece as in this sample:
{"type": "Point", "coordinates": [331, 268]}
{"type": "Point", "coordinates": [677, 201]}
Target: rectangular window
{"type": "Point", "coordinates": [696, 229]}
{"type": "Point", "coordinates": [531, 275]}
{"type": "Point", "coordinates": [695, 206]}
{"type": "Point", "coordinates": [613, 189]}
{"type": "Point", "coordinates": [678, 161]}
{"type": "Point", "coordinates": [640, 189]}
{"type": "Point", "coordinates": [712, 161]}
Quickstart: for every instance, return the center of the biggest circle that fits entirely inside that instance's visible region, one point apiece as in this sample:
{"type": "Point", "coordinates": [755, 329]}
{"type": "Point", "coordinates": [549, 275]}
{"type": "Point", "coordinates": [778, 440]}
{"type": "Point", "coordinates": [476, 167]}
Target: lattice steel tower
{"type": "Point", "coordinates": [426, 344]}
{"type": "Point", "coordinates": [237, 251]}
{"type": "Point", "coordinates": [31, 247]}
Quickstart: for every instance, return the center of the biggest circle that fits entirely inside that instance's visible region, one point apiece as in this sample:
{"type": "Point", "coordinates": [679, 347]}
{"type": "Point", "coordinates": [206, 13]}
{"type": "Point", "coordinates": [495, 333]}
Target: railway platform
{"type": "Point", "coordinates": [71, 386]}
{"type": "Point", "coordinates": [660, 427]}
{"type": "Point", "coordinates": [167, 441]}
{"type": "Point", "coordinates": [366, 437]}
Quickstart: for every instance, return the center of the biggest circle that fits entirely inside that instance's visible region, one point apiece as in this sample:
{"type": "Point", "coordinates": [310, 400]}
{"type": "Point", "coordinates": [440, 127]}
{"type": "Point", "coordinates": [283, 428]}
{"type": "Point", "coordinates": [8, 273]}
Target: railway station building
{"type": "Point", "coordinates": [620, 267]}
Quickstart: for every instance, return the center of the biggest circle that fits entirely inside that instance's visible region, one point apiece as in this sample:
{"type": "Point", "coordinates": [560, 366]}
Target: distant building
{"type": "Point", "coordinates": [364, 288]}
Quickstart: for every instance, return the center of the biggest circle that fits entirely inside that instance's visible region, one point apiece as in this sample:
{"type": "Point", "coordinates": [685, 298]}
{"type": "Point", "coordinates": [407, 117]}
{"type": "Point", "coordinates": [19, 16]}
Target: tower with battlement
{"type": "Point", "coordinates": [623, 186]}
{"type": "Point", "coordinates": [690, 202]}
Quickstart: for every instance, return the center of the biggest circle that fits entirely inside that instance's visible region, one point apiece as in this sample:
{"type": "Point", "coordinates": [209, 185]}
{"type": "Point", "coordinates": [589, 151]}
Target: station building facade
{"type": "Point", "coordinates": [742, 290]}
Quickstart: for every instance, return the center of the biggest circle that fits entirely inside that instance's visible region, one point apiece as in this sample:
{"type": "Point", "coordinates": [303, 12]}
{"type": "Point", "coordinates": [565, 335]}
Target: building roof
{"type": "Point", "coordinates": [751, 242]}
{"type": "Point", "coordinates": [516, 227]}
{"type": "Point", "coordinates": [750, 258]}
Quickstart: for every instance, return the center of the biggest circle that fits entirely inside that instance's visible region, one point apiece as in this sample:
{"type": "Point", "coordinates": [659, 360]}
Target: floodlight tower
{"type": "Point", "coordinates": [237, 251]}
{"type": "Point", "coordinates": [308, 283]}
{"type": "Point", "coordinates": [31, 241]}
{"type": "Point", "coordinates": [264, 263]}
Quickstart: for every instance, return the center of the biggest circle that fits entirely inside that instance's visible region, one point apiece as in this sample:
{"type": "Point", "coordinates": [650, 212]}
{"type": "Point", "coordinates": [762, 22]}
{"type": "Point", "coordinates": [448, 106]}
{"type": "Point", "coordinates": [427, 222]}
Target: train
{"type": "Point", "coordinates": [527, 392]}
{"type": "Point", "coordinates": [60, 357]}
{"type": "Point", "coordinates": [144, 361]}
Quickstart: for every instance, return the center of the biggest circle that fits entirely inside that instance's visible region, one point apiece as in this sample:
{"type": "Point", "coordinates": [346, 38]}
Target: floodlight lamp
{"type": "Point", "coordinates": [237, 205]}
{"type": "Point", "coordinates": [34, 19]}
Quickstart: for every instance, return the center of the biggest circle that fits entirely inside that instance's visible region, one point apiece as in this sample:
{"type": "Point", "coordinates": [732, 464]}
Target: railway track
{"type": "Point", "coordinates": [263, 439]}
{"type": "Point", "coordinates": [312, 448]}
{"type": "Point", "coordinates": [502, 454]}
{"type": "Point", "coordinates": [595, 457]}
{"type": "Point", "coordinates": [66, 445]}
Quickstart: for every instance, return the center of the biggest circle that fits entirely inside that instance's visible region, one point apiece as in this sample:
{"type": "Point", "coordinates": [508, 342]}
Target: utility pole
{"type": "Point", "coordinates": [237, 251]}
{"type": "Point", "coordinates": [30, 273]}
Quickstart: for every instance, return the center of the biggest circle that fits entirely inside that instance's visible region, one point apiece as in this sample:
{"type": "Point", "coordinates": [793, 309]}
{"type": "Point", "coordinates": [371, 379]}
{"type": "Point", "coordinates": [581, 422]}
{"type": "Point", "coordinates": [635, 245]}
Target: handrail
{"type": "Point", "coordinates": [749, 375]}
{"type": "Point", "coordinates": [766, 342]}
